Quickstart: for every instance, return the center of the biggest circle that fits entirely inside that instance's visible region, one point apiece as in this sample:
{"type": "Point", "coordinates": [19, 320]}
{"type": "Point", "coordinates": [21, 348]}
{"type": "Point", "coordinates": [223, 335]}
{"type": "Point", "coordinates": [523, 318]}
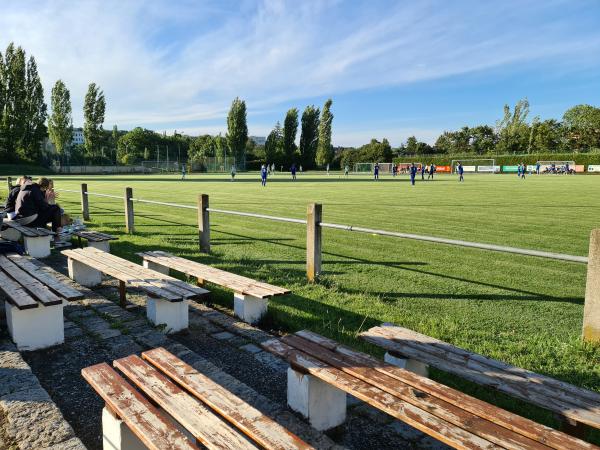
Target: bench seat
{"type": "Point", "coordinates": [250, 296]}
{"type": "Point", "coordinates": [165, 403]}
{"type": "Point", "coordinates": [167, 296]}
{"type": "Point", "coordinates": [35, 240]}
{"type": "Point", "coordinates": [577, 405]}
{"type": "Point", "coordinates": [321, 370]}
{"type": "Point", "coordinates": [34, 303]}
{"type": "Point", "coordinates": [95, 239]}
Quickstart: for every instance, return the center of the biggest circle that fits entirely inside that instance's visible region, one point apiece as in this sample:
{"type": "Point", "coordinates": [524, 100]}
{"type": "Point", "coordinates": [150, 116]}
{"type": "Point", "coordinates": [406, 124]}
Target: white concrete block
{"type": "Point", "coordinates": [248, 308]}
{"type": "Point", "coordinates": [157, 267]}
{"type": "Point", "coordinates": [323, 404]}
{"type": "Point", "coordinates": [116, 435]}
{"type": "Point", "coordinates": [172, 314]}
{"type": "Point", "coordinates": [37, 247]}
{"type": "Point", "coordinates": [102, 245]}
{"type": "Point", "coordinates": [412, 365]}
{"type": "Point", "coordinates": [36, 328]}
{"type": "Point", "coordinates": [10, 234]}
{"type": "Point", "coordinates": [83, 274]}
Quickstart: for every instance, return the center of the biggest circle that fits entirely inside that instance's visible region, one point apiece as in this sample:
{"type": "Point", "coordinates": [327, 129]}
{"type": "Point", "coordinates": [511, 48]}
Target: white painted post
{"type": "Point", "coordinates": [313, 241]}
{"type": "Point", "coordinates": [174, 315]}
{"type": "Point", "coordinates": [591, 309]}
{"type": "Point", "coordinates": [129, 211]}
{"type": "Point", "coordinates": [203, 223]}
{"type": "Point", "coordinates": [85, 210]}
{"type": "Point", "coordinates": [323, 404]}
{"type": "Point", "coordinates": [116, 435]}
{"type": "Point", "coordinates": [248, 308]}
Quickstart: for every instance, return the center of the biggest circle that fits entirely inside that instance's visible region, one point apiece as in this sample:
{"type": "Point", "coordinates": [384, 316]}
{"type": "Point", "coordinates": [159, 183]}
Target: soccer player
{"type": "Point", "coordinates": [233, 172]}
{"type": "Point", "coordinates": [537, 168]}
{"type": "Point", "coordinates": [523, 168]}
{"type": "Point", "coordinates": [327, 169]}
{"type": "Point", "coordinates": [394, 170]}
{"type": "Point", "coordinates": [422, 172]}
{"type": "Point", "coordinates": [183, 171]}
{"type": "Point", "coordinates": [376, 171]}
{"type": "Point", "coordinates": [346, 170]}
{"type": "Point", "coordinates": [413, 173]}
{"type": "Point", "coordinates": [293, 170]}
{"type": "Point", "coordinates": [263, 175]}
{"type": "Point", "coordinates": [461, 171]}
{"type": "Point", "coordinates": [431, 171]}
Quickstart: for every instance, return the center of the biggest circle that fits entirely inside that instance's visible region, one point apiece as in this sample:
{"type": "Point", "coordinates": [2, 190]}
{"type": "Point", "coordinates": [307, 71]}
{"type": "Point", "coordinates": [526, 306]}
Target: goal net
{"type": "Point", "coordinates": [162, 166]}
{"type": "Point", "coordinates": [476, 165]}
{"type": "Point", "coordinates": [370, 167]}
{"type": "Point", "coordinates": [553, 167]}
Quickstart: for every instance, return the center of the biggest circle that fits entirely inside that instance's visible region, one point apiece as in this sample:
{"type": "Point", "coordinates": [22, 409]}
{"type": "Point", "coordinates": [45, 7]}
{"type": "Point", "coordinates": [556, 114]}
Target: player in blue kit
{"type": "Point", "coordinates": [461, 170]}
{"type": "Point", "coordinates": [413, 173]}
{"type": "Point", "coordinates": [263, 175]}
{"type": "Point", "coordinates": [376, 171]}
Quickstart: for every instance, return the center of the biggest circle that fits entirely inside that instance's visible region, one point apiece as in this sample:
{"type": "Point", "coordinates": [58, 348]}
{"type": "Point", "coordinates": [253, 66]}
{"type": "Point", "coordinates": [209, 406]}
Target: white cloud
{"type": "Point", "coordinates": [179, 64]}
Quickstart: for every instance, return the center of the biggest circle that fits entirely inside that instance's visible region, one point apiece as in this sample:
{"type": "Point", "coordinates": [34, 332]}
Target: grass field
{"type": "Point", "coordinates": [523, 310]}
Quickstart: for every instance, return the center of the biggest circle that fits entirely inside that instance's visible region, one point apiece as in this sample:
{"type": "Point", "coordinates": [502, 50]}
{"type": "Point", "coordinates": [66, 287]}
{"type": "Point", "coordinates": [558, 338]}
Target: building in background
{"type": "Point", "coordinates": [258, 140]}
{"type": "Point", "coordinates": [77, 136]}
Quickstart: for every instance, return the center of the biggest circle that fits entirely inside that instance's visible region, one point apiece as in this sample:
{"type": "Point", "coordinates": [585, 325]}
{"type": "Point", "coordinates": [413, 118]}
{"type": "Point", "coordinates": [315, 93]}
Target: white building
{"type": "Point", "coordinates": [77, 136]}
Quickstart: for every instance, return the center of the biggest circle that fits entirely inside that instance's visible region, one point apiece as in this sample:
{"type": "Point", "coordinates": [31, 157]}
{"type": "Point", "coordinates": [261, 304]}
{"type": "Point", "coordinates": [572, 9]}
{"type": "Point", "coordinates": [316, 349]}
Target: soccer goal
{"type": "Point", "coordinates": [475, 165]}
{"type": "Point", "coordinates": [370, 167]}
{"type": "Point", "coordinates": [162, 166]}
{"type": "Point", "coordinates": [554, 166]}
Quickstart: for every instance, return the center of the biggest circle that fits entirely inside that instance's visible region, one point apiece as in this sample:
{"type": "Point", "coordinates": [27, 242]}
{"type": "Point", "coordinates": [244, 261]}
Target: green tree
{"type": "Point", "coordinates": [60, 122]}
{"type": "Point", "coordinates": [201, 148]}
{"type": "Point", "coordinates": [513, 130]}
{"type": "Point", "coordinates": [483, 139]}
{"type": "Point", "coordinates": [93, 115]}
{"type": "Point", "coordinates": [35, 114]}
{"type": "Point", "coordinates": [309, 136]}
{"type": "Point", "coordinates": [582, 127]}
{"type": "Point", "coordinates": [547, 136]}
{"type": "Point", "coordinates": [290, 128]}
{"type": "Point", "coordinates": [324, 148]}
{"type": "Point", "coordinates": [3, 76]}
{"type": "Point", "coordinates": [15, 106]}
{"type": "Point", "coordinates": [274, 146]}
{"type": "Point", "coordinates": [237, 130]}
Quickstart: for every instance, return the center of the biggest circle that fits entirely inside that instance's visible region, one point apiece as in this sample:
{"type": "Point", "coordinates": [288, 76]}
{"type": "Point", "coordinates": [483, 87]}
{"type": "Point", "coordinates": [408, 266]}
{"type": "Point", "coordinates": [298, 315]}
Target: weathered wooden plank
{"type": "Point", "coordinates": [213, 275]}
{"type": "Point", "coordinates": [203, 424]}
{"type": "Point", "coordinates": [260, 428]}
{"type": "Point", "coordinates": [388, 403]}
{"type": "Point", "coordinates": [134, 281]}
{"type": "Point", "coordinates": [157, 279]}
{"type": "Point", "coordinates": [142, 418]}
{"type": "Point", "coordinates": [36, 272]}
{"type": "Point", "coordinates": [36, 289]}
{"type": "Point", "coordinates": [28, 231]}
{"type": "Point", "coordinates": [94, 236]}
{"type": "Point", "coordinates": [551, 396]}
{"type": "Point", "coordinates": [15, 293]}
{"type": "Point", "coordinates": [386, 376]}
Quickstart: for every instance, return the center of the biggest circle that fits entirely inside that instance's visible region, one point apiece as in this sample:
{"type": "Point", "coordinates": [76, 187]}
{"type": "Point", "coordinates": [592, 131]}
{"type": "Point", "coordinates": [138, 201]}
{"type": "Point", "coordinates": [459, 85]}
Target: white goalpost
{"type": "Point", "coordinates": [481, 165]}
{"type": "Point", "coordinates": [370, 167]}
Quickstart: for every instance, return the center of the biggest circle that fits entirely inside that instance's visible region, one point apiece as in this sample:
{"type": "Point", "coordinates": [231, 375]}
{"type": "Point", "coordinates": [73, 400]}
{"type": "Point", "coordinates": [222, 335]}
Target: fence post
{"type": "Point", "coordinates": [85, 210]}
{"type": "Point", "coordinates": [9, 182]}
{"type": "Point", "coordinates": [203, 223]}
{"type": "Point", "coordinates": [591, 309]}
{"type": "Point", "coordinates": [313, 241]}
{"type": "Point", "coordinates": [129, 210]}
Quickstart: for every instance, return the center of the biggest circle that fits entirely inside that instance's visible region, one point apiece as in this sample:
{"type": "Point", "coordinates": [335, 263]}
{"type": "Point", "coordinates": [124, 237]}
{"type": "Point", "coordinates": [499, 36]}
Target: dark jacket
{"type": "Point", "coordinates": [30, 201]}
{"type": "Point", "coordinates": [12, 199]}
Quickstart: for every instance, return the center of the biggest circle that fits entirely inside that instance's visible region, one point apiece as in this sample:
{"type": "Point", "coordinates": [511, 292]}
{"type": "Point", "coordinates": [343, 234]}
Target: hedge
{"type": "Point", "coordinates": [507, 160]}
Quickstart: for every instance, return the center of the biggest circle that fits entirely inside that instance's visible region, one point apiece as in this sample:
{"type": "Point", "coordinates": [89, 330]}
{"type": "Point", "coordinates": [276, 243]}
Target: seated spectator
{"type": "Point", "coordinates": [9, 208]}
{"type": "Point", "coordinates": [33, 209]}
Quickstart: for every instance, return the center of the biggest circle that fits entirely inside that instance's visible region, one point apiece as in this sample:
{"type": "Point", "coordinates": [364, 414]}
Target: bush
{"type": "Point", "coordinates": [585, 159]}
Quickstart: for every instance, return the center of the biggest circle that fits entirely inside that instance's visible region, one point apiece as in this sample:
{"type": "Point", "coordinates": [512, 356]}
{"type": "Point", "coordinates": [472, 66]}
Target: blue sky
{"type": "Point", "coordinates": [393, 68]}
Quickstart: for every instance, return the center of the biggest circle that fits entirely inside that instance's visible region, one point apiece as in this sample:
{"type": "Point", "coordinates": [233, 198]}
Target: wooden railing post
{"type": "Point", "coordinates": [9, 182]}
{"type": "Point", "coordinates": [85, 209]}
{"type": "Point", "coordinates": [591, 309]}
{"type": "Point", "coordinates": [129, 210]}
{"type": "Point", "coordinates": [203, 223]}
{"type": "Point", "coordinates": [313, 241]}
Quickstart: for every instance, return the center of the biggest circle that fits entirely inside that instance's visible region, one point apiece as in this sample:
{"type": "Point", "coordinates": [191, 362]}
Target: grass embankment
{"type": "Point", "coordinates": [523, 310]}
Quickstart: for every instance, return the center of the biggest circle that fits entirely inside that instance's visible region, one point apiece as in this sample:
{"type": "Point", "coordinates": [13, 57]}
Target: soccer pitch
{"type": "Point", "coordinates": [523, 310]}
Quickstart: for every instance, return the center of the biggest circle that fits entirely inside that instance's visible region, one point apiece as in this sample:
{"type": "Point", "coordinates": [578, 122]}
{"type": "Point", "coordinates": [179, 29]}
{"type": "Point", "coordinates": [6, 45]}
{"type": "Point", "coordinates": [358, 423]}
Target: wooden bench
{"type": "Point", "coordinates": [322, 372]}
{"type": "Point", "coordinates": [250, 296]}
{"type": "Point", "coordinates": [35, 240]}
{"type": "Point", "coordinates": [576, 406]}
{"type": "Point", "coordinates": [34, 306]}
{"type": "Point", "coordinates": [163, 403]}
{"type": "Point", "coordinates": [168, 297]}
{"type": "Point", "coordinates": [95, 239]}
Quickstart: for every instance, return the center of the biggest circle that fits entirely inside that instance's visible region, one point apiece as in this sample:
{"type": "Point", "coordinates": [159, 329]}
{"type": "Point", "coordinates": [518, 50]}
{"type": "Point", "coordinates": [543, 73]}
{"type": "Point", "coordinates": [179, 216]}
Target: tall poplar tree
{"type": "Point", "coordinates": [309, 136]}
{"type": "Point", "coordinates": [35, 113]}
{"type": "Point", "coordinates": [93, 114]}
{"type": "Point", "coordinates": [324, 149]}
{"type": "Point", "coordinates": [290, 128]}
{"type": "Point", "coordinates": [14, 114]}
{"type": "Point", "coordinates": [60, 122]}
{"type": "Point", "coordinates": [3, 151]}
{"type": "Point", "coordinates": [237, 131]}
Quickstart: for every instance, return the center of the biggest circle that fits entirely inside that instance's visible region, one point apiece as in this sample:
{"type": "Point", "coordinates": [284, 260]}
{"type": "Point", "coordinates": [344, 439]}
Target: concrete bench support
{"type": "Point", "coordinates": [37, 247]}
{"type": "Point", "coordinates": [172, 314]}
{"type": "Point", "coordinates": [412, 365]}
{"type": "Point", "coordinates": [323, 404]}
{"type": "Point", "coordinates": [36, 328]}
{"type": "Point", "coordinates": [248, 308]}
{"type": "Point", "coordinates": [156, 267]}
{"type": "Point", "coordinates": [100, 245]}
{"type": "Point", "coordinates": [84, 275]}
{"type": "Point", "coordinates": [116, 435]}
